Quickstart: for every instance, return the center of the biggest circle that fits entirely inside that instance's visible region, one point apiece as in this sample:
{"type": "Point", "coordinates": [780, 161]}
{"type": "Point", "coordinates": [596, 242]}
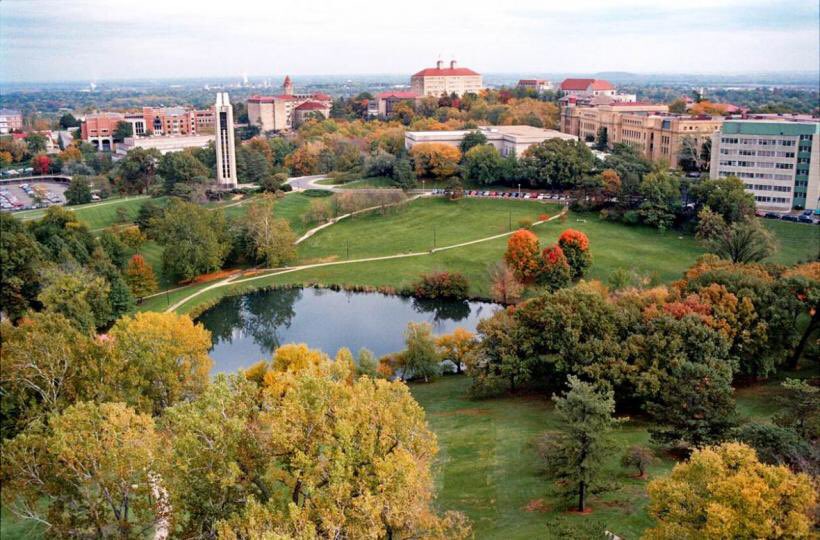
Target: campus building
{"type": "Point", "coordinates": [589, 91]}
{"type": "Point", "coordinates": [10, 120]}
{"type": "Point", "coordinates": [286, 110]}
{"type": "Point", "coordinates": [440, 80]}
{"type": "Point", "coordinates": [163, 143]}
{"type": "Point", "coordinates": [647, 127]}
{"type": "Point", "coordinates": [508, 140]}
{"type": "Point", "coordinates": [225, 144]}
{"type": "Point", "coordinates": [98, 129]}
{"type": "Point", "coordinates": [385, 102]}
{"type": "Point", "coordinates": [537, 85]}
{"type": "Point", "coordinates": [776, 156]}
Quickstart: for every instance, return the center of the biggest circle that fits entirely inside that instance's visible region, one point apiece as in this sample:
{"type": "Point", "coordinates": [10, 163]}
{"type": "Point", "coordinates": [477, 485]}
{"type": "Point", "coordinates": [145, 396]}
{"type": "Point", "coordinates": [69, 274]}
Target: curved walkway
{"type": "Point", "coordinates": [231, 280]}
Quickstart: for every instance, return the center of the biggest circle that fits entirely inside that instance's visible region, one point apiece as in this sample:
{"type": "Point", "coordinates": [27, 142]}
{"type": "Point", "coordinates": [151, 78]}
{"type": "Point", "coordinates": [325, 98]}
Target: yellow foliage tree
{"type": "Point", "coordinates": [435, 160]}
{"type": "Point", "coordinates": [725, 492]}
{"type": "Point", "coordinates": [458, 347]}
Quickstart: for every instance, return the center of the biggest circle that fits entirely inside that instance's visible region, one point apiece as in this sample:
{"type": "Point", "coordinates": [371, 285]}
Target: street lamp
{"type": "Point", "coordinates": [519, 190]}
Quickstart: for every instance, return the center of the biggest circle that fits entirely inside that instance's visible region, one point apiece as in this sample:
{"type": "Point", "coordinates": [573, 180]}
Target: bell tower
{"type": "Point", "coordinates": [287, 86]}
{"type": "Point", "coordinates": [225, 150]}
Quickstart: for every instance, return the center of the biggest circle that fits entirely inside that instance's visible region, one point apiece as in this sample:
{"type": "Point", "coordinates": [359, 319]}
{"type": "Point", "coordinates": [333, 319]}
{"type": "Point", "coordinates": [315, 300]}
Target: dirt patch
{"type": "Point", "coordinates": [213, 276]}
{"type": "Point", "coordinates": [537, 505]}
{"type": "Point", "coordinates": [577, 513]}
{"type": "Point", "coordinates": [464, 412]}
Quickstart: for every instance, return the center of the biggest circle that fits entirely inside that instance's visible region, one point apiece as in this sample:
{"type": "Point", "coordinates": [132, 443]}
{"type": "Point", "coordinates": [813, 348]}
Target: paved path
{"type": "Point", "coordinates": [301, 183]}
{"type": "Point", "coordinates": [268, 272]}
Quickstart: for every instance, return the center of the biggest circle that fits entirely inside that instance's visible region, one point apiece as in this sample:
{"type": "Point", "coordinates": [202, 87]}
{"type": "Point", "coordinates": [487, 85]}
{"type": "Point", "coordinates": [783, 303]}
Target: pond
{"type": "Point", "coordinates": [249, 327]}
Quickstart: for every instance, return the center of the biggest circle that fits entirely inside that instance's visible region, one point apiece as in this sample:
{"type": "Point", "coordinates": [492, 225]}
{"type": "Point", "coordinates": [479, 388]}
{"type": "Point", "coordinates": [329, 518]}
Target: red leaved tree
{"type": "Point", "coordinates": [522, 255]}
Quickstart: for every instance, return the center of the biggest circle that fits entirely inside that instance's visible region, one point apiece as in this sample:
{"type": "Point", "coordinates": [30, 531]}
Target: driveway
{"type": "Point", "coordinates": [301, 183]}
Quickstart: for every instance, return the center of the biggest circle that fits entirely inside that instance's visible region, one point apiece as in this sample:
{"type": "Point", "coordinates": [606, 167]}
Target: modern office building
{"type": "Point", "coordinates": [508, 140]}
{"type": "Point", "coordinates": [440, 80]}
{"type": "Point", "coordinates": [225, 149]}
{"type": "Point", "coordinates": [279, 113]}
{"type": "Point", "coordinates": [163, 143]}
{"type": "Point", "coordinates": [776, 156]}
{"type": "Point", "coordinates": [10, 120]}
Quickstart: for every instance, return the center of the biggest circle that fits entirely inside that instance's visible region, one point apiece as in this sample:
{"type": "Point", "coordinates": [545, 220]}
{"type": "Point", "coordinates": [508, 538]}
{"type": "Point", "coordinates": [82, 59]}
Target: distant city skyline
{"type": "Point", "coordinates": [52, 40]}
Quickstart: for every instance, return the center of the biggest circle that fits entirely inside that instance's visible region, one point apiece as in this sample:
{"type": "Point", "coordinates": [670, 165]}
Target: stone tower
{"type": "Point", "coordinates": [287, 86]}
{"type": "Point", "coordinates": [225, 150]}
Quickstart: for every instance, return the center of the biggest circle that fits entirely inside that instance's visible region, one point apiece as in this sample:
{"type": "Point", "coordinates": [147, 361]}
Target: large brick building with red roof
{"type": "Point", "coordinates": [286, 110]}
{"type": "Point", "coordinates": [446, 80]}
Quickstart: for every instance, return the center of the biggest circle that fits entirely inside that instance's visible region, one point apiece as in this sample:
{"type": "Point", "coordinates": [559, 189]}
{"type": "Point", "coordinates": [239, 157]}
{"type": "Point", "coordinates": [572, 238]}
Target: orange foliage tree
{"type": "Point", "coordinates": [555, 272]}
{"type": "Point", "coordinates": [575, 246]}
{"type": "Point", "coordinates": [522, 255]}
{"type": "Point", "coordinates": [140, 277]}
{"type": "Point", "coordinates": [435, 160]}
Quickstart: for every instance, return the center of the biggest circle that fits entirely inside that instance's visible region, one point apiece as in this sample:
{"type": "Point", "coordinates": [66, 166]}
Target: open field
{"type": "Point", "coordinates": [488, 467]}
{"type": "Point", "coordinates": [797, 241]}
{"type": "Point", "coordinates": [97, 215]}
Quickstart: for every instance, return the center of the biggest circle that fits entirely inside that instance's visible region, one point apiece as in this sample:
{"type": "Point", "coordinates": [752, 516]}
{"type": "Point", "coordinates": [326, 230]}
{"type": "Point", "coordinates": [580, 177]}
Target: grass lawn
{"type": "Point", "coordinates": [98, 215]}
{"type": "Point", "coordinates": [798, 242]}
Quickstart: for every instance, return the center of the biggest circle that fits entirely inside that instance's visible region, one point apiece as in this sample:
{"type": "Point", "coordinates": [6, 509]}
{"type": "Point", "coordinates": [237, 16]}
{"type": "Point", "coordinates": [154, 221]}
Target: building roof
{"type": "Point", "coordinates": [446, 72]}
{"type": "Point", "coordinates": [311, 106]}
{"type": "Point", "coordinates": [586, 84]}
{"type": "Point", "coordinates": [398, 94]}
{"type": "Point", "coordinates": [321, 96]}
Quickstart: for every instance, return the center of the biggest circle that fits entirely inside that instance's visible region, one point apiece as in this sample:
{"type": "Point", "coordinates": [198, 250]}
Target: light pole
{"type": "Point", "coordinates": [509, 223]}
{"type": "Point", "coordinates": [422, 186]}
{"type": "Point", "coordinates": [519, 190]}
{"type": "Point", "coordinates": [434, 237]}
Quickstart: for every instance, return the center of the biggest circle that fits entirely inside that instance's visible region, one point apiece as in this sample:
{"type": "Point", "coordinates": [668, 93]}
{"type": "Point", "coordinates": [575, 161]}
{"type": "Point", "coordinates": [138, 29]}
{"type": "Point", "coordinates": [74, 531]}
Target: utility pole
{"type": "Point", "coordinates": [348, 249]}
{"type": "Point", "coordinates": [434, 237]}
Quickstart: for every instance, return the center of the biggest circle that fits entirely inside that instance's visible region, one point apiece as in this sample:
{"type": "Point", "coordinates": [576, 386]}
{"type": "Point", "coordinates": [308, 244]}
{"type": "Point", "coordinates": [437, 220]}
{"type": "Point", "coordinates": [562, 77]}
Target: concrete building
{"type": "Point", "coordinates": [776, 156]}
{"type": "Point", "coordinates": [164, 143]}
{"type": "Point", "coordinates": [10, 120]}
{"type": "Point", "coordinates": [506, 139]}
{"type": "Point", "coordinates": [278, 113]}
{"type": "Point", "coordinates": [537, 85]}
{"type": "Point", "coordinates": [648, 127]}
{"type": "Point", "coordinates": [225, 145]}
{"type": "Point", "coordinates": [440, 80]}
{"type": "Point", "coordinates": [586, 89]}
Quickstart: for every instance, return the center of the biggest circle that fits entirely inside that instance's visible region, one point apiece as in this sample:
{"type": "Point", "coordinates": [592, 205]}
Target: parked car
{"type": "Point", "coordinates": [808, 212]}
{"type": "Point", "coordinates": [771, 215]}
{"type": "Point", "coordinates": [788, 217]}
{"type": "Point", "coordinates": [805, 219]}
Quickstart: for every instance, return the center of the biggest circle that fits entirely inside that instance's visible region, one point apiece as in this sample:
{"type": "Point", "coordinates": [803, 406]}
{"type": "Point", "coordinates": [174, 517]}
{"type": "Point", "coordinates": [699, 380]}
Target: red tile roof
{"type": "Point", "coordinates": [586, 84]}
{"type": "Point", "coordinates": [397, 95]}
{"type": "Point", "coordinates": [311, 106]}
{"type": "Point", "coordinates": [261, 99]}
{"type": "Point", "coordinates": [446, 72]}
{"type": "Point", "coordinates": [321, 97]}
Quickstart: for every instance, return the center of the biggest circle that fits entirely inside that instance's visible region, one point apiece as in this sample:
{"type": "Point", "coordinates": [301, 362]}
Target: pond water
{"type": "Point", "coordinates": [248, 328]}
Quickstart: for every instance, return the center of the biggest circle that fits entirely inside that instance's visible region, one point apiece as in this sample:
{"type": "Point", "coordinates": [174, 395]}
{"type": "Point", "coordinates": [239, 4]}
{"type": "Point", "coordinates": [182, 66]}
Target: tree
{"type": "Point", "coordinates": [140, 277]}
{"type": "Point", "coordinates": [148, 216]}
{"type": "Point", "coordinates": [21, 260]}
{"type": "Point", "coordinates": [522, 255]}
{"type": "Point", "coordinates": [421, 359]}
{"type": "Point", "coordinates": [41, 164]}
{"type": "Point", "coordinates": [198, 237]}
{"type": "Point", "coordinates": [366, 363]}
{"type": "Point", "coordinates": [483, 164]}
{"type": "Point", "coordinates": [470, 140]}
{"type": "Point", "coordinates": [123, 131]}
{"type": "Point", "coordinates": [35, 143]}
{"type": "Point", "coordinates": [574, 455]}
{"type": "Point", "coordinates": [138, 169]}
{"type": "Point", "coordinates": [660, 192]}
{"type": "Point", "coordinates": [800, 408]}
{"type": "Point", "coordinates": [79, 296]}
{"type": "Point", "coordinates": [504, 287]}
{"type": "Point", "coordinates": [690, 155]}
{"type": "Point", "coordinates": [638, 457]}
{"type": "Point", "coordinates": [556, 163]}
{"type": "Point", "coordinates": [678, 106]}
{"type": "Point", "coordinates": [575, 246]}
{"type": "Point", "coordinates": [270, 240]}
{"type": "Point", "coordinates": [458, 347]}
{"type": "Point", "coordinates": [602, 139]}
{"type": "Point", "coordinates": [437, 160]}
{"type": "Point", "coordinates": [697, 408]}
{"type": "Point", "coordinates": [93, 463]}
{"type": "Point", "coordinates": [380, 164]}
{"type": "Point", "coordinates": [177, 167]}
{"type": "Point", "coordinates": [725, 196]}
{"type": "Point", "coordinates": [165, 357]}
{"type": "Point", "coordinates": [78, 191]}
{"type": "Point", "coordinates": [68, 120]}
{"type": "Point", "coordinates": [725, 492]}
{"type": "Point", "coordinates": [555, 271]}
{"type": "Point", "coordinates": [403, 174]}
{"type": "Point", "coordinates": [776, 445]}
{"type": "Point", "coordinates": [744, 241]}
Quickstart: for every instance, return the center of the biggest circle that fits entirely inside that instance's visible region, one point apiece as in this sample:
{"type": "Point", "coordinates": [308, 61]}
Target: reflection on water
{"type": "Point", "coordinates": [247, 328]}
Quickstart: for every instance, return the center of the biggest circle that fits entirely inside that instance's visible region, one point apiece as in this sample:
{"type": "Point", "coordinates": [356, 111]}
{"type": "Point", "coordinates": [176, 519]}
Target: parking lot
{"type": "Point", "coordinates": [25, 195]}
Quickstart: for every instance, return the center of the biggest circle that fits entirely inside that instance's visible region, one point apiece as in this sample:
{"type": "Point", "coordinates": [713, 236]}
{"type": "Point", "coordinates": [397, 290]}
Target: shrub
{"type": "Point", "coordinates": [441, 285]}
{"type": "Point", "coordinates": [317, 193]}
{"type": "Point", "coordinates": [525, 224]}
{"type": "Point", "coordinates": [639, 457]}
{"type": "Point", "coordinates": [555, 270]}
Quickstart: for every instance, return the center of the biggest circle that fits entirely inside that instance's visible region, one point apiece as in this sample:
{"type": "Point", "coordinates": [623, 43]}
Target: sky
{"type": "Point", "coordinates": [94, 40]}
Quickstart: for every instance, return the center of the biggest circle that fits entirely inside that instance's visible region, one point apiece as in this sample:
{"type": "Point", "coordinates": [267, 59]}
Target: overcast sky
{"type": "Point", "coordinates": [111, 39]}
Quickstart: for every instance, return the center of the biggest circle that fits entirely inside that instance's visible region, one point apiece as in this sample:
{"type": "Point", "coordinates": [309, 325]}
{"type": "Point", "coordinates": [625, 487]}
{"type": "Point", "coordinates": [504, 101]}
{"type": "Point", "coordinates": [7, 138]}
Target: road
{"type": "Point", "coordinates": [301, 183]}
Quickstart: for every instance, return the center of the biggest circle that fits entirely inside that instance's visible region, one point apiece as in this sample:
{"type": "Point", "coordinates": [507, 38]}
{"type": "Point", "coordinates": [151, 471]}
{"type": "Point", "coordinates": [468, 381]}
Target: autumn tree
{"type": "Point", "coordinates": [638, 457]}
{"type": "Point", "coordinates": [574, 455]}
{"type": "Point", "coordinates": [270, 240]}
{"type": "Point", "coordinates": [575, 246]}
{"type": "Point", "coordinates": [725, 492]}
{"type": "Point", "coordinates": [93, 464]}
{"type": "Point", "coordinates": [457, 347]}
{"type": "Point", "coordinates": [522, 255]}
{"type": "Point", "coordinates": [163, 357]}
{"type": "Point", "coordinates": [41, 164]}
{"type": "Point", "coordinates": [140, 277]}
{"type": "Point", "coordinates": [555, 272]}
{"type": "Point", "coordinates": [421, 358]}
{"type": "Point", "coordinates": [743, 241]}
{"type": "Point", "coordinates": [504, 287]}
{"type": "Point", "coordinates": [436, 160]}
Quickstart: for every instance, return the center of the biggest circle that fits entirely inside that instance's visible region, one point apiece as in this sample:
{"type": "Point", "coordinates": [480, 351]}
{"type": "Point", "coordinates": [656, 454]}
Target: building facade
{"type": "Point", "coordinates": [776, 157]}
{"type": "Point", "coordinates": [440, 80]}
{"type": "Point", "coordinates": [537, 85]}
{"type": "Point", "coordinates": [508, 140]}
{"type": "Point", "coordinates": [10, 120]}
{"type": "Point", "coordinates": [279, 113]}
{"type": "Point", "coordinates": [385, 102]}
{"type": "Point", "coordinates": [163, 143]}
{"type": "Point", "coordinates": [225, 145]}
{"type": "Point", "coordinates": [588, 89]}
{"type": "Point", "coordinates": [98, 129]}
{"type": "Point", "coordinates": [647, 127]}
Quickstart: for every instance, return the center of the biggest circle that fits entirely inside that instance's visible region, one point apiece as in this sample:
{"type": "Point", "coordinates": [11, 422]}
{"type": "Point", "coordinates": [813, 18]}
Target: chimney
{"type": "Point", "coordinates": [452, 64]}
{"type": "Point", "coordinates": [438, 64]}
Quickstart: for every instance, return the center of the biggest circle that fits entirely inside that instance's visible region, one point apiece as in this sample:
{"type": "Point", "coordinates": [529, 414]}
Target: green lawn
{"type": "Point", "coordinates": [798, 242]}
{"type": "Point", "coordinates": [98, 215]}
